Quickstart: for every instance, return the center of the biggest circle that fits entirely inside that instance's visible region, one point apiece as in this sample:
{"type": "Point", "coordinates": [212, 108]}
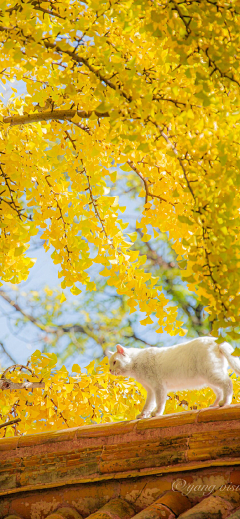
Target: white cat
{"type": "Point", "coordinates": [192, 365]}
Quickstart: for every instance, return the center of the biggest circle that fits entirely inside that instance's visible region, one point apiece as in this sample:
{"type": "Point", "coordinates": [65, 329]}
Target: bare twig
{"type": "Point", "coordinates": [6, 353]}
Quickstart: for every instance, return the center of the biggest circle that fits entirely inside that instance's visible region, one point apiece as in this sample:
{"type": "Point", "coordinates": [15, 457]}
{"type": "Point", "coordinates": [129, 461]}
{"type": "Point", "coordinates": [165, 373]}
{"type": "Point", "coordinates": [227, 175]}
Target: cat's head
{"type": "Point", "coordinates": [119, 361]}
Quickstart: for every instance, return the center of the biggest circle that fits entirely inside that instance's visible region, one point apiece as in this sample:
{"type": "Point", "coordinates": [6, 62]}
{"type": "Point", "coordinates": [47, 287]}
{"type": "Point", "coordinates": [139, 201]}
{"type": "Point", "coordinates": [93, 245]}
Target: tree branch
{"type": "Point", "coordinates": [153, 256]}
{"type": "Point", "coordinates": [173, 147]}
{"type": "Point", "coordinates": [14, 120]}
{"type": "Point", "coordinates": [6, 353]}
{"type": "Point", "coordinates": [215, 68]}
{"type": "Point", "coordinates": [37, 7]}
{"type": "Point", "coordinates": [58, 330]}
{"type": "Point", "coordinates": [93, 201]}
{"type": "Point", "coordinates": [9, 384]}
{"type": "Point", "coordinates": [10, 422]}
{"type": "Point", "coordinates": [75, 57]}
{"type": "Point", "coordinates": [182, 16]}
{"type": "Point", "coordinates": [134, 168]}
{"type": "Point", "coordinates": [30, 318]}
{"type": "Point", "coordinates": [134, 336]}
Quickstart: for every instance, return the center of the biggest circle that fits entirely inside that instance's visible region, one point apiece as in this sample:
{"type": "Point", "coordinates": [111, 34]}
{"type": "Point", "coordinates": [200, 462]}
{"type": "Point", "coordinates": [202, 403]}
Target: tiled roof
{"type": "Point", "coordinates": [185, 465]}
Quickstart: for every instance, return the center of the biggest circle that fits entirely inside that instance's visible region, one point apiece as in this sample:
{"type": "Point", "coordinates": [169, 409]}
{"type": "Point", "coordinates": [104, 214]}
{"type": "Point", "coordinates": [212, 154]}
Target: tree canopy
{"type": "Point", "coordinates": [148, 88]}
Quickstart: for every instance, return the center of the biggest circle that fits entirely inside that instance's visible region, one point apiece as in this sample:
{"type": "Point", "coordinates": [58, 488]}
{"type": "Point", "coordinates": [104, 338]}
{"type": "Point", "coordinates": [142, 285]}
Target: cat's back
{"type": "Point", "coordinates": [189, 353]}
{"type": "Point", "coordinates": [191, 348]}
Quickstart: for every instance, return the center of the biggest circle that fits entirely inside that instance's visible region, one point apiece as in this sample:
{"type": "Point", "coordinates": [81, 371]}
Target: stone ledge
{"type": "Point", "coordinates": [172, 443]}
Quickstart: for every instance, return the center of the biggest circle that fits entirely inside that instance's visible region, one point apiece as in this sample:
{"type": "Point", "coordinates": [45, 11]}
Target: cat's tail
{"type": "Point", "coordinates": [226, 349]}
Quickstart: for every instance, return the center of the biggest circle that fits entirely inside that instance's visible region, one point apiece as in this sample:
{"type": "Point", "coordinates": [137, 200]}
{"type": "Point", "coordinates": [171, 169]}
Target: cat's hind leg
{"type": "Point", "coordinates": [160, 396]}
{"type": "Point", "coordinates": [148, 406]}
{"type": "Point", "coordinates": [219, 395]}
{"type": "Point", "coordinates": [224, 386]}
{"type": "Point", "coordinates": [227, 386]}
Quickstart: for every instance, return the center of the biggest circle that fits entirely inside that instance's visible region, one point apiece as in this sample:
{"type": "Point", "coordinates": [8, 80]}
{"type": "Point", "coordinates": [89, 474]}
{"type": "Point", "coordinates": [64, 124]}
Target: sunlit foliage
{"type": "Point", "coordinates": [85, 398]}
{"type": "Point", "coordinates": [153, 88]}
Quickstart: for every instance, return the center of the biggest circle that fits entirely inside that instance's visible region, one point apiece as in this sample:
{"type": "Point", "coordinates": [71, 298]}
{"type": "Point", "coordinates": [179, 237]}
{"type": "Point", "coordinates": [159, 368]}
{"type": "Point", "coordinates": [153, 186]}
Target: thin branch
{"type": "Point", "coordinates": [173, 147]}
{"type": "Point", "coordinates": [61, 217]}
{"type": "Point", "coordinates": [21, 366]}
{"type": "Point", "coordinates": [134, 168]}
{"type": "Point", "coordinates": [37, 7]}
{"type": "Point", "coordinates": [182, 16]}
{"type": "Point", "coordinates": [215, 68]}
{"type": "Point", "coordinates": [84, 128]}
{"type": "Point", "coordinates": [153, 256]}
{"type": "Point", "coordinates": [134, 336]}
{"type": "Point", "coordinates": [93, 201]}
{"type": "Point", "coordinates": [6, 353]}
{"type": "Point", "coordinates": [59, 413]}
{"type": "Point", "coordinates": [58, 330]}
{"type": "Point", "coordinates": [11, 203]}
{"type": "Point", "coordinates": [9, 384]}
{"type": "Point", "coordinates": [25, 314]}
{"type": "Point", "coordinates": [10, 422]}
{"type": "Point", "coordinates": [81, 59]}
{"type": "Point", "coordinates": [75, 57]}
{"type": "Point", "coordinates": [71, 140]}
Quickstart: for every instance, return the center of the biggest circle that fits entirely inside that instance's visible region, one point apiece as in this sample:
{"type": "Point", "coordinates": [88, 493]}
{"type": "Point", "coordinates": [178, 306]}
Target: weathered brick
{"type": "Point", "coordinates": [169, 506]}
{"type": "Point", "coordinates": [114, 509]}
{"type": "Point", "coordinates": [68, 512]}
{"type": "Point", "coordinates": [235, 515]}
{"type": "Point", "coordinates": [46, 437]}
{"type": "Point", "coordinates": [215, 414]}
{"type": "Point", "coordinates": [235, 477]}
{"type": "Point", "coordinates": [93, 431]}
{"type": "Point", "coordinates": [8, 444]}
{"type": "Point", "coordinates": [210, 508]}
{"type": "Point", "coordinates": [171, 420]}
{"type": "Point", "coordinates": [220, 504]}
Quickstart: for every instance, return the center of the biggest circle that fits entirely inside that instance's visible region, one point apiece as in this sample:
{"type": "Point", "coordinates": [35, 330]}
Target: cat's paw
{"type": "Point", "coordinates": [156, 413]}
{"type": "Point", "coordinates": [143, 415]}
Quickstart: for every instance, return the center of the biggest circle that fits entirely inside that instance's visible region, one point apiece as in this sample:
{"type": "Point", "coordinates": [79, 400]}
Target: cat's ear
{"type": "Point", "coordinates": [108, 353]}
{"type": "Point", "coordinates": [121, 350]}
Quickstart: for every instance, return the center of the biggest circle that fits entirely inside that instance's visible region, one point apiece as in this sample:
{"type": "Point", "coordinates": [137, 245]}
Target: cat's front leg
{"type": "Point", "coordinates": [160, 396]}
{"type": "Point", "coordinates": [148, 406]}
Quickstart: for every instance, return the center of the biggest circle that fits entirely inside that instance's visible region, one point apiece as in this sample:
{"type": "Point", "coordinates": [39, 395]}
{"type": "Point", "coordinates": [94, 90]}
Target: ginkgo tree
{"type": "Point", "coordinates": [148, 88]}
{"type": "Point", "coordinates": [153, 88]}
